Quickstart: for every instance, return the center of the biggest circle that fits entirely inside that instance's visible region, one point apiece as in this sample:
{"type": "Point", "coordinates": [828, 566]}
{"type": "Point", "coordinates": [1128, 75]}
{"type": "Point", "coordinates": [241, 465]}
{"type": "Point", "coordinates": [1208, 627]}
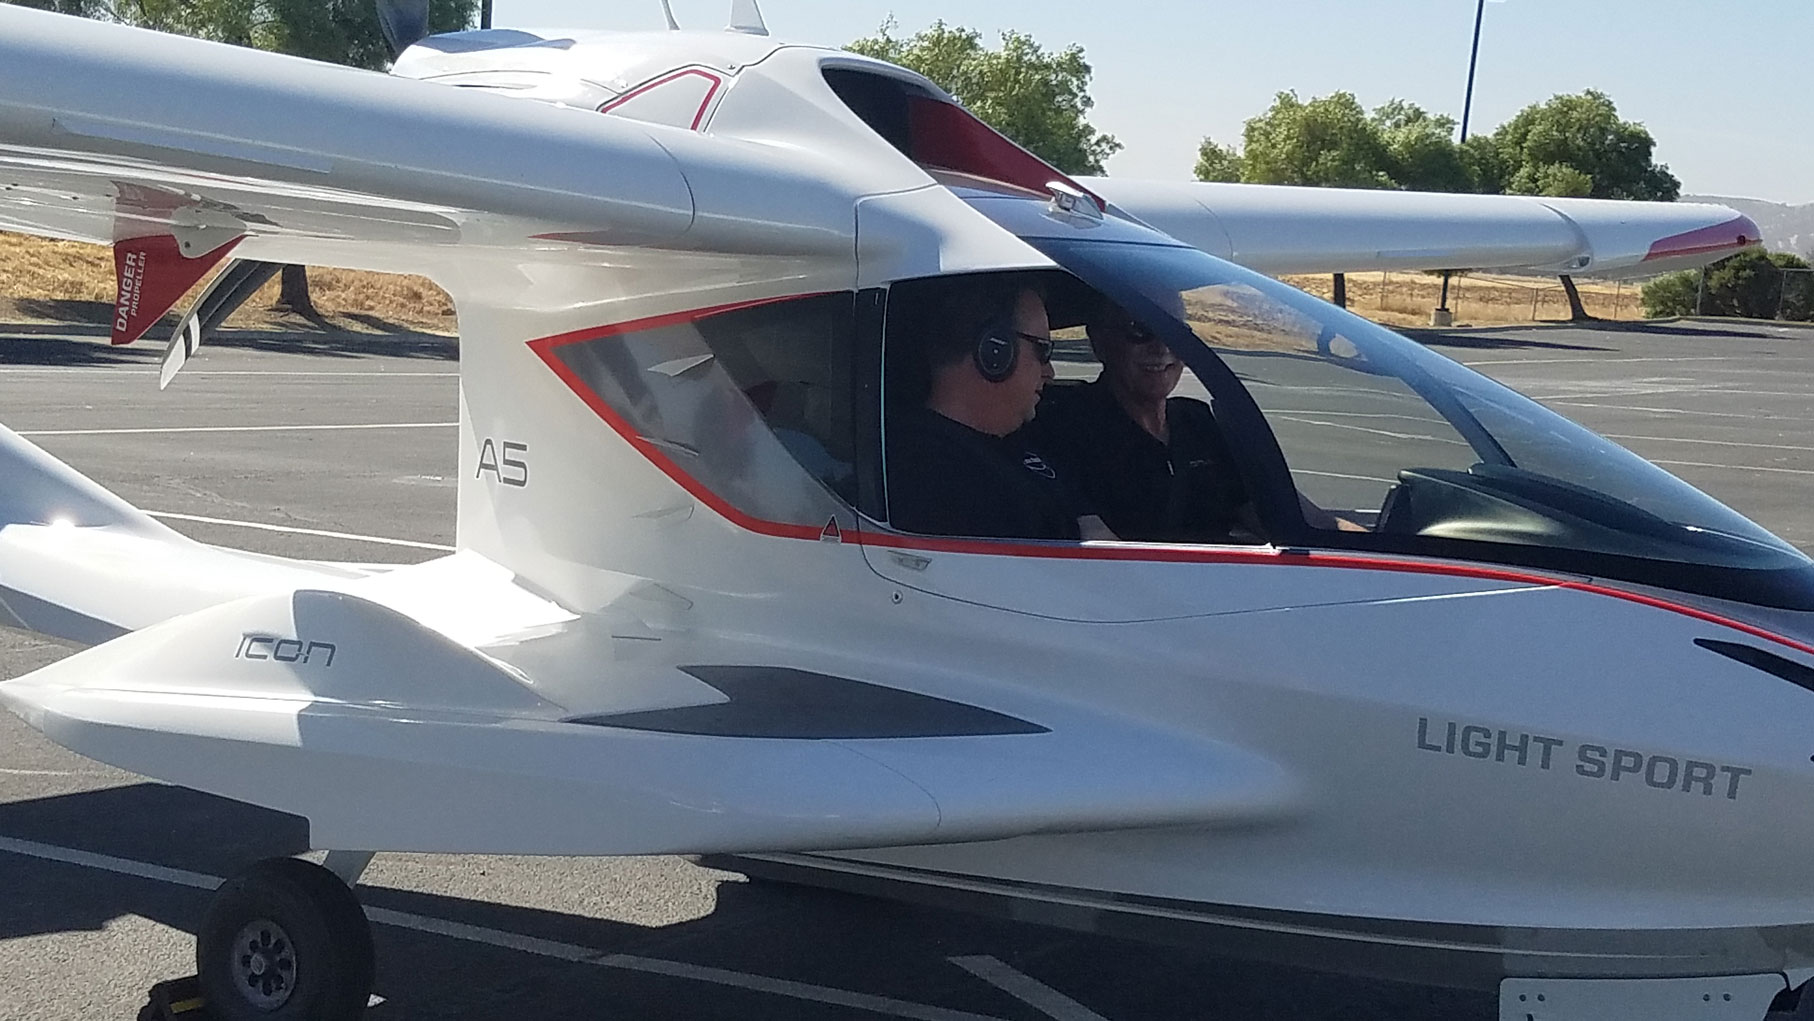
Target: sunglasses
{"type": "Point", "coordinates": [1137, 333]}
{"type": "Point", "coordinates": [1042, 346]}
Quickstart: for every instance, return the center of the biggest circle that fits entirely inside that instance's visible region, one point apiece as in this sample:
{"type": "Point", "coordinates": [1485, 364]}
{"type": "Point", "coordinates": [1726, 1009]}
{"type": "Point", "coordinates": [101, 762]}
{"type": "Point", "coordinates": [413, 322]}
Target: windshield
{"type": "Point", "coordinates": [1391, 446]}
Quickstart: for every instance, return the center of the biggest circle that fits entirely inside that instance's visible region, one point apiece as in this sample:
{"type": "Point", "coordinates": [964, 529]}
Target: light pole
{"type": "Point", "coordinates": [1467, 105]}
{"type": "Point", "coordinates": [1467, 101]}
{"type": "Point", "coordinates": [485, 22]}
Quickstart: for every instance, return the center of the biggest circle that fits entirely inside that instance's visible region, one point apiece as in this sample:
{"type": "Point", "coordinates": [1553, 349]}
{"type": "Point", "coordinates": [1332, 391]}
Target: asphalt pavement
{"type": "Point", "coordinates": [344, 450]}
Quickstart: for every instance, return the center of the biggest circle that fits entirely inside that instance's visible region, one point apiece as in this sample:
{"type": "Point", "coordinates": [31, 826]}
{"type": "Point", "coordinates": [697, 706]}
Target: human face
{"type": "Point", "coordinates": [1136, 364]}
{"type": "Point", "coordinates": [1030, 373]}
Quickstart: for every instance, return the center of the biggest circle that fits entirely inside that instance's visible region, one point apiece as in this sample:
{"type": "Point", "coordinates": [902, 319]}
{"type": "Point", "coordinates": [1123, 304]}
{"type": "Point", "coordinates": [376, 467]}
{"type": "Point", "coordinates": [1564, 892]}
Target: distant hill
{"type": "Point", "coordinates": [1785, 228]}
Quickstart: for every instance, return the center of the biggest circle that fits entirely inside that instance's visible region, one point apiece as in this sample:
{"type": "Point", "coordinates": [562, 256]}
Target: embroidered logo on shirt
{"type": "Point", "coordinates": [1033, 463]}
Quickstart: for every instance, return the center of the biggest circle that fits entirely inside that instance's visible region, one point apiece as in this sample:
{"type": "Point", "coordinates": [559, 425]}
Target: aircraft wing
{"type": "Point", "coordinates": [1277, 229]}
{"type": "Point", "coordinates": [177, 150]}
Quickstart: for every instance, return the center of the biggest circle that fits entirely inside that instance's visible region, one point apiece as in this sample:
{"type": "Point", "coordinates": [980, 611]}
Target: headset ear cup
{"type": "Point", "coordinates": [997, 351]}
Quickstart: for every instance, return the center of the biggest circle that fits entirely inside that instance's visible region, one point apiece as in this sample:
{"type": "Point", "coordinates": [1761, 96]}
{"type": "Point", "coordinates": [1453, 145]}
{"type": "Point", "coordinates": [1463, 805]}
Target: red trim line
{"type": "Point", "coordinates": [1298, 558]}
{"type": "Point", "coordinates": [704, 104]}
{"type": "Point", "coordinates": [1734, 233]}
{"type": "Point", "coordinates": [544, 348]}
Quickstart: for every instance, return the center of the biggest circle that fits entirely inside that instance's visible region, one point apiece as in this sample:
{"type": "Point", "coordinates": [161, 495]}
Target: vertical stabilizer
{"type": "Point", "coordinates": [746, 17]}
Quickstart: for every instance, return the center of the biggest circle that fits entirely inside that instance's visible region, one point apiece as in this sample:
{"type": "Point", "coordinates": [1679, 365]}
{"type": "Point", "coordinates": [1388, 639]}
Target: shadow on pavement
{"type": "Point", "coordinates": [42, 350]}
{"type": "Point", "coordinates": [1481, 340]}
{"type": "Point", "coordinates": [38, 347]}
{"type": "Point", "coordinates": [758, 930]}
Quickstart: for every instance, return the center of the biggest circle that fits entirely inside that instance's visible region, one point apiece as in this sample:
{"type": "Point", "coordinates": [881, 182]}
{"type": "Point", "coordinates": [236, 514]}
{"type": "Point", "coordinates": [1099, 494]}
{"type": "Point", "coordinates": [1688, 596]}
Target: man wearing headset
{"type": "Point", "coordinates": [955, 464]}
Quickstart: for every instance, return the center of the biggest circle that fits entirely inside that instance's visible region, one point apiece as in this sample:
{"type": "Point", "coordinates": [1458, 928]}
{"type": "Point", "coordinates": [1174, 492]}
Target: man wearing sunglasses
{"type": "Point", "coordinates": [1154, 465]}
{"type": "Point", "coordinates": [956, 464]}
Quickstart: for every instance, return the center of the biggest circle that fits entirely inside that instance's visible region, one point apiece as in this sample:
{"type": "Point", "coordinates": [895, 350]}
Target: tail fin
{"type": "Point", "coordinates": [80, 564]}
{"type": "Point", "coordinates": [41, 490]}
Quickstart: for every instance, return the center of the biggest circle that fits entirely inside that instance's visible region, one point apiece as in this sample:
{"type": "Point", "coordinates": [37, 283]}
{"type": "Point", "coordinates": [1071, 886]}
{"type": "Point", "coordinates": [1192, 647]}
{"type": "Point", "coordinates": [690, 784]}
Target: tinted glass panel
{"type": "Point", "coordinates": [1404, 442]}
{"type": "Point", "coordinates": [753, 403]}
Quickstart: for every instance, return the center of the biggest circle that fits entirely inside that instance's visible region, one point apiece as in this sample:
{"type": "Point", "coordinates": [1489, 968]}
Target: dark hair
{"type": "Point", "coordinates": [964, 308]}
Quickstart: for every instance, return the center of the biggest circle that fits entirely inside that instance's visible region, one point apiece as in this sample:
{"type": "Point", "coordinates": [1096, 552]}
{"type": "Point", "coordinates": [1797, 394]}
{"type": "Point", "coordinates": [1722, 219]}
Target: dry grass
{"type": "Point", "coordinates": [1477, 299]}
{"type": "Point", "coordinates": [62, 281]}
{"type": "Point", "coordinates": [51, 281]}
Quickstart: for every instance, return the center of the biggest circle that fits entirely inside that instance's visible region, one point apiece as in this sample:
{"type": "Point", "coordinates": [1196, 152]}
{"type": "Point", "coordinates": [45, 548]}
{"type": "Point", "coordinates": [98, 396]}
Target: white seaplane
{"type": "Point", "coordinates": [1536, 718]}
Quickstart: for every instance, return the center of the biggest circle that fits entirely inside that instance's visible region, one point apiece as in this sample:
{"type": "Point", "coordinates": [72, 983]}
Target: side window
{"type": "Point", "coordinates": [681, 99]}
{"type": "Point", "coordinates": [753, 403]}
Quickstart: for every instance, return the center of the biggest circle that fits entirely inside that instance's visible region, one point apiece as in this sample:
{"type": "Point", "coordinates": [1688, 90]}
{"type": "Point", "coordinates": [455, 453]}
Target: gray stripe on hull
{"type": "Point", "coordinates": [29, 613]}
{"type": "Point", "coordinates": [781, 702]}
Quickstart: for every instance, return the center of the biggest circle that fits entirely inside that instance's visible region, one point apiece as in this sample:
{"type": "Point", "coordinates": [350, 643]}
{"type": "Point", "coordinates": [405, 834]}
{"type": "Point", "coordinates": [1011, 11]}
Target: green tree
{"type": "Point", "coordinates": [1421, 154]}
{"type": "Point", "coordinates": [337, 31]}
{"type": "Point", "coordinates": [1039, 99]}
{"type": "Point", "coordinates": [1671, 294]}
{"type": "Point", "coordinates": [1327, 142]}
{"type": "Point", "coordinates": [1218, 162]}
{"type": "Point", "coordinates": [1577, 145]}
{"type": "Point", "coordinates": [346, 31]}
{"type": "Point", "coordinates": [1751, 284]}
{"type": "Point", "coordinates": [1486, 166]}
{"type": "Point", "coordinates": [1332, 141]}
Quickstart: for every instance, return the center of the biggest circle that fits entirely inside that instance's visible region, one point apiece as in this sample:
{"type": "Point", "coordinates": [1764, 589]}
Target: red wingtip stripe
{"type": "Point", "coordinates": [1734, 234]}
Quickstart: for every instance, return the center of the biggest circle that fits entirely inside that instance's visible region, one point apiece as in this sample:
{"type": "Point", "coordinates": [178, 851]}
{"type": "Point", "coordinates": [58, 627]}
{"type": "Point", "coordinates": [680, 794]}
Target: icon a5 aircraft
{"type": "Point", "coordinates": [1532, 719]}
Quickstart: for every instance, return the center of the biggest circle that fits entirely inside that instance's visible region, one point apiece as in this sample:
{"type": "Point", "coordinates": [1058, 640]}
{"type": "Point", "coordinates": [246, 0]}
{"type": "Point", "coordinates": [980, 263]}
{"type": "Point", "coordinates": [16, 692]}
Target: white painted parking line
{"type": "Point", "coordinates": [1715, 443]}
{"type": "Point", "coordinates": [1027, 990]}
{"type": "Point", "coordinates": [1389, 434]}
{"type": "Point", "coordinates": [108, 863]}
{"type": "Point", "coordinates": [1652, 390]}
{"type": "Point", "coordinates": [237, 429]}
{"type": "Point", "coordinates": [884, 1005]}
{"type": "Point", "coordinates": [1749, 415]}
{"type": "Point", "coordinates": [149, 369]}
{"type": "Point", "coordinates": [1598, 361]}
{"type": "Point", "coordinates": [1734, 467]}
{"type": "Point", "coordinates": [291, 529]}
{"type": "Point", "coordinates": [887, 1005]}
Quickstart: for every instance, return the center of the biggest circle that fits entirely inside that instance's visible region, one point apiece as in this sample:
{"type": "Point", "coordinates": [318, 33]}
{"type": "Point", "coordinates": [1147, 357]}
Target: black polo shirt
{"type": "Point", "coordinates": [1146, 490]}
{"type": "Point", "coordinates": [945, 478]}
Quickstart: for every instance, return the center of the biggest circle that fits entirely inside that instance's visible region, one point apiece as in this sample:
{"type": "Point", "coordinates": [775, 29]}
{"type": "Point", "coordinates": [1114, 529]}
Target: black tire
{"type": "Point", "coordinates": [285, 940]}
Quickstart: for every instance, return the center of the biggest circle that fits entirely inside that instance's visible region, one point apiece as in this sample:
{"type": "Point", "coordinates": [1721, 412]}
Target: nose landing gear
{"type": "Point", "coordinates": [285, 940]}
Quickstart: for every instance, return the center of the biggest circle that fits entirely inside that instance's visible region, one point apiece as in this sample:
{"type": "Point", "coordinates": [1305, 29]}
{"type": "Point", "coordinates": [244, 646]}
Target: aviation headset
{"type": "Point", "coordinates": [997, 349]}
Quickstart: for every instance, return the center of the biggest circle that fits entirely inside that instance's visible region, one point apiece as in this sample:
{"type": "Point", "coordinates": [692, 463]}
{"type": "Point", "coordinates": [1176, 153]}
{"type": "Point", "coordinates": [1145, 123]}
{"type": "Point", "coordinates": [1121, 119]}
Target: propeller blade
{"type": "Point", "coordinates": [404, 23]}
{"type": "Point", "coordinates": [239, 281]}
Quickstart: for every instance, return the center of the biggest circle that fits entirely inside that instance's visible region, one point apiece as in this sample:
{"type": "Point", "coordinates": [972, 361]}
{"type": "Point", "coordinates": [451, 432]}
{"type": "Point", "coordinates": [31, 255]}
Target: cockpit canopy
{"type": "Point", "coordinates": [1310, 426]}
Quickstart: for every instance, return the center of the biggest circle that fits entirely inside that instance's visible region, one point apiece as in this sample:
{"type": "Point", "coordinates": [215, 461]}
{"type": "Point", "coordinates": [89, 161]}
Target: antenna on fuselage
{"type": "Point", "coordinates": [668, 12]}
{"type": "Point", "coordinates": [746, 17]}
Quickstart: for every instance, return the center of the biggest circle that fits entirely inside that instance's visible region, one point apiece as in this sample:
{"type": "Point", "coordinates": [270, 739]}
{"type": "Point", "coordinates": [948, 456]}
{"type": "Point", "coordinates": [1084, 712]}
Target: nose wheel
{"type": "Point", "coordinates": [285, 940]}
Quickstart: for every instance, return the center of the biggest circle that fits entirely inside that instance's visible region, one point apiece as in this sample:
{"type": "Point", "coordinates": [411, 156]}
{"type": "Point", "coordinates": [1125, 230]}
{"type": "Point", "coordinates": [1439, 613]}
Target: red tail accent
{"type": "Point", "coordinates": [153, 274]}
{"type": "Point", "coordinates": [951, 137]}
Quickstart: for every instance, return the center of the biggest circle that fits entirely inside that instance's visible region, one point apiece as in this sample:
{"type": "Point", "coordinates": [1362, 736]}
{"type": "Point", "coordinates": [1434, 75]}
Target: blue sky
{"type": "Point", "coordinates": [1722, 86]}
